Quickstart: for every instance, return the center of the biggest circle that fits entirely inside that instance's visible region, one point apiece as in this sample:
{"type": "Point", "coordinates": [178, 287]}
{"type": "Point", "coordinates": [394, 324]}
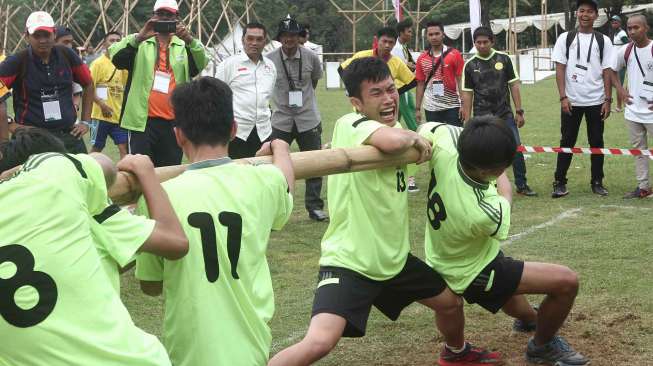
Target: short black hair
{"type": "Point", "coordinates": [593, 3]}
{"type": "Point", "coordinates": [483, 32]}
{"type": "Point", "coordinates": [255, 25]}
{"type": "Point", "coordinates": [204, 111]}
{"type": "Point", "coordinates": [364, 69]}
{"type": "Point", "coordinates": [486, 142]}
{"type": "Point", "coordinates": [404, 24]}
{"type": "Point", "coordinates": [116, 33]}
{"type": "Point", "coordinates": [25, 143]}
{"type": "Point", "coordinates": [433, 23]}
{"type": "Point", "coordinates": [306, 30]}
{"type": "Point", "coordinates": [388, 32]}
{"type": "Point", "coordinates": [62, 31]}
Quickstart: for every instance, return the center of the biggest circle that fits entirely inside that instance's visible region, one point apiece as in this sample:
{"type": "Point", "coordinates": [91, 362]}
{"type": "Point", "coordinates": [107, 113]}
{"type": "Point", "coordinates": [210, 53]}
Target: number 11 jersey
{"type": "Point", "coordinates": [218, 298]}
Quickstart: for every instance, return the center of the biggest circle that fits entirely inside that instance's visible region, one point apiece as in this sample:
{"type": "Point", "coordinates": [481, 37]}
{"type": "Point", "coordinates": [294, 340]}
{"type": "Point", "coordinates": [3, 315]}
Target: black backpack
{"type": "Point", "coordinates": [599, 40]}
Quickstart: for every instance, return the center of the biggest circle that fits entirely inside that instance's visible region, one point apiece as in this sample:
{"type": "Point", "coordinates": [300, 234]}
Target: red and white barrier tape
{"type": "Point", "coordinates": [584, 150]}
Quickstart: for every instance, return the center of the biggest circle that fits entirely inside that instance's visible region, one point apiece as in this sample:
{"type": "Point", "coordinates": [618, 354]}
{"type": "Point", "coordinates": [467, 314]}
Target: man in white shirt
{"type": "Point", "coordinates": [637, 58]}
{"type": "Point", "coordinates": [583, 58]}
{"type": "Point", "coordinates": [619, 39]}
{"type": "Point", "coordinates": [251, 77]}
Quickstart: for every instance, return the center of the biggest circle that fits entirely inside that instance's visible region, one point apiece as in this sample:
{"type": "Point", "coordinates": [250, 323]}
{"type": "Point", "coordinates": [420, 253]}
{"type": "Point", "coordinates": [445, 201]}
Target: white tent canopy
{"type": "Point", "coordinates": [454, 31]}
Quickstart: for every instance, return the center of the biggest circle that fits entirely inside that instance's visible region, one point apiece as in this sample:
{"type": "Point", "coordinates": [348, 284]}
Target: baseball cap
{"type": "Point", "coordinates": [592, 3]}
{"type": "Point", "coordinates": [62, 31]}
{"type": "Point", "coordinates": [169, 5]}
{"type": "Point", "coordinates": [39, 20]}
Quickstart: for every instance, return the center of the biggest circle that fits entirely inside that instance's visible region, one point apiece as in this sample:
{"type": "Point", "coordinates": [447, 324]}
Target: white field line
{"type": "Point", "coordinates": [627, 207]}
{"type": "Point", "coordinates": [563, 216]}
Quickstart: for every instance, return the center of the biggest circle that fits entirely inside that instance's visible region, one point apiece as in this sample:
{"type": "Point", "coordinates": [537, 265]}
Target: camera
{"type": "Point", "coordinates": [165, 26]}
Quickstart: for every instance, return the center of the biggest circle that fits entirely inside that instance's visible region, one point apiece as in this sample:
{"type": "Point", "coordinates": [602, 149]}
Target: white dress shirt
{"type": "Point", "coordinates": [252, 85]}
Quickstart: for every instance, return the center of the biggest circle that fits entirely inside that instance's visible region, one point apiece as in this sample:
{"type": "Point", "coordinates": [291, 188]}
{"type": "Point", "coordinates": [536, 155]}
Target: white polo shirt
{"type": "Point", "coordinates": [638, 73]}
{"type": "Point", "coordinates": [252, 85]}
{"type": "Point", "coordinates": [587, 90]}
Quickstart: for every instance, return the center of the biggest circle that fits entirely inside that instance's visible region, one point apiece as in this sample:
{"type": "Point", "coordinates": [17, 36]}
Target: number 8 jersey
{"type": "Point", "coordinates": [57, 305]}
{"type": "Point", "coordinates": [219, 298]}
{"type": "Point", "coordinates": [465, 219]}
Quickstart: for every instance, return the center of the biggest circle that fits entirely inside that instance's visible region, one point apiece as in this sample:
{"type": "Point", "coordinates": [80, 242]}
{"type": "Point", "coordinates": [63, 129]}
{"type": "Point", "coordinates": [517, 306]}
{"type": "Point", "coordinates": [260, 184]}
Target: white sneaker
{"type": "Point", "coordinates": [412, 186]}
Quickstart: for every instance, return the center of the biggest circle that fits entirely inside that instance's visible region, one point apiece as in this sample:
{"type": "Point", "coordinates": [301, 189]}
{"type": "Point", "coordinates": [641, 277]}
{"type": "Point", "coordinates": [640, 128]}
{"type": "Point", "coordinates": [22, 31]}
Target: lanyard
{"type": "Point", "coordinates": [639, 63]}
{"type": "Point", "coordinates": [589, 51]}
{"type": "Point", "coordinates": [440, 64]}
{"type": "Point", "coordinates": [158, 54]}
{"type": "Point", "coordinates": [407, 53]}
{"type": "Point", "coordinates": [291, 83]}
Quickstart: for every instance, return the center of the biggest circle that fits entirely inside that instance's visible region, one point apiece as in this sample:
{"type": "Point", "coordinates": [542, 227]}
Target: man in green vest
{"type": "Point", "coordinates": [161, 56]}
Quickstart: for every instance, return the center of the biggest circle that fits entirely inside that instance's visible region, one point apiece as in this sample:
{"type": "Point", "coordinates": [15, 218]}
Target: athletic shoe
{"type": "Point", "coordinates": [412, 186]}
{"type": "Point", "coordinates": [638, 193]}
{"type": "Point", "coordinates": [559, 189]}
{"type": "Point", "coordinates": [557, 352]}
{"type": "Point", "coordinates": [470, 356]}
{"type": "Point", "coordinates": [524, 327]}
{"type": "Point", "coordinates": [526, 191]}
{"type": "Point", "coordinates": [598, 188]}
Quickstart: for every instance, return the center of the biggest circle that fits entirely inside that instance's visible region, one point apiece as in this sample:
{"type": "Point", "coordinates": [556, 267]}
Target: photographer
{"type": "Point", "coordinates": [160, 57]}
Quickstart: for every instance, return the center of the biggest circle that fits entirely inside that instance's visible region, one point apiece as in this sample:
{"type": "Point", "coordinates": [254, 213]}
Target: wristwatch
{"type": "Point", "coordinates": [607, 100]}
{"type": "Point", "coordinates": [520, 112]}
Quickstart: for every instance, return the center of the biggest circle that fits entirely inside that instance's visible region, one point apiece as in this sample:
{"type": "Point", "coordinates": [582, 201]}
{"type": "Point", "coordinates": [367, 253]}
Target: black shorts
{"type": "Point", "coordinates": [351, 295]}
{"type": "Point", "coordinates": [496, 283]}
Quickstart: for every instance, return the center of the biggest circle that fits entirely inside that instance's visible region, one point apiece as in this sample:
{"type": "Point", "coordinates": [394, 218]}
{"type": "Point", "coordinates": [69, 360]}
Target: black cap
{"type": "Point", "coordinates": [592, 3]}
{"type": "Point", "coordinates": [61, 31]}
{"type": "Point", "coordinates": [288, 25]}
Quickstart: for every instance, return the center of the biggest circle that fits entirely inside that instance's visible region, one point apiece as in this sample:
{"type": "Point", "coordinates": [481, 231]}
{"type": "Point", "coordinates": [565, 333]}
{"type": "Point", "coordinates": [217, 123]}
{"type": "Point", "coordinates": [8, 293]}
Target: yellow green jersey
{"type": "Point", "coordinates": [466, 219]}
{"type": "Point", "coordinates": [57, 305]}
{"type": "Point", "coordinates": [368, 228]}
{"type": "Point", "coordinates": [219, 298]}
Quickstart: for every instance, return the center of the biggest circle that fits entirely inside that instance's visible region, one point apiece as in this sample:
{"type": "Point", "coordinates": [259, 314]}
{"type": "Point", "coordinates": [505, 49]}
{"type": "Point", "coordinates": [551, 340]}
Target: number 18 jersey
{"type": "Point", "coordinates": [57, 305]}
{"type": "Point", "coordinates": [465, 219]}
{"type": "Point", "coordinates": [218, 298]}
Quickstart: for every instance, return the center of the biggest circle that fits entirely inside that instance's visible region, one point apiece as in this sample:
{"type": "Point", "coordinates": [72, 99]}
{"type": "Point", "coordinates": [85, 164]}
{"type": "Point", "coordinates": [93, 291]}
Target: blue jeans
{"type": "Point", "coordinates": [518, 165]}
{"type": "Point", "coordinates": [448, 116]}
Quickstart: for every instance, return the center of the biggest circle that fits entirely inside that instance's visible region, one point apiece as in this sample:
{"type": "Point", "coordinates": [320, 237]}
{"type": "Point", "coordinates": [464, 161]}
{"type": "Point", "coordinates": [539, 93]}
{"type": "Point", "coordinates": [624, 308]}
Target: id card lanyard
{"type": "Point", "coordinates": [647, 85]}
{"type": "Point", "coordinates": [581, 70]}
{"type": "Point", "coordinates": [162, 78]}
{"type": "Point", "coordinates": [295, 97]}
{"type": "Point", "coordinates": [49, 100]}
{"type": "Point", "coordinates": [437, 86]}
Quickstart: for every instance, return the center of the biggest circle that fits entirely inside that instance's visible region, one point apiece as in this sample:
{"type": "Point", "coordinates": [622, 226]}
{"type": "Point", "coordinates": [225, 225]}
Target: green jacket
{"type": "Point", "coordinates": [186, 61]}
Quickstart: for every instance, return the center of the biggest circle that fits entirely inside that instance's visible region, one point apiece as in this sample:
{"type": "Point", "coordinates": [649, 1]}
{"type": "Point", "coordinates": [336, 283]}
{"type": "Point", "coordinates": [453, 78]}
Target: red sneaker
{"type": "Point", "coordinates": [470, 356]}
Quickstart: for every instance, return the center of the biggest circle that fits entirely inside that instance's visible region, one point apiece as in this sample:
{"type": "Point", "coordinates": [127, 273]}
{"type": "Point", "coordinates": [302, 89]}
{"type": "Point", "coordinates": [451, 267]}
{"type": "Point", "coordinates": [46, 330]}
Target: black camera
{"type": "Point", "coordinates": [165, 26]}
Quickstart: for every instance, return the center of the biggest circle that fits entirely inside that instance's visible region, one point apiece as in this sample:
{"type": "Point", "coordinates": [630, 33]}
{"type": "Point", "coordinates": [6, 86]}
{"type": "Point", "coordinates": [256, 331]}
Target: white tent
{"type": "Point", "coordinates": [454, 31]}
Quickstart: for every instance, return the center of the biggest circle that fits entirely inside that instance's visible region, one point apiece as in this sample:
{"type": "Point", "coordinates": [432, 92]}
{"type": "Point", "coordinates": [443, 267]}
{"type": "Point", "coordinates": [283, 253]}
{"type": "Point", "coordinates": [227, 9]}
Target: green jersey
{"type": "Point", "coordinates": [57, 305]}
{"type": "Point", "coordinates": [368, 228]}
{"type": "Point", "coordinates": [118, 235]}
{"type": "Point", "coordinates": [218, 298]}
{"type": "Point", "coordinates": [465, 219]}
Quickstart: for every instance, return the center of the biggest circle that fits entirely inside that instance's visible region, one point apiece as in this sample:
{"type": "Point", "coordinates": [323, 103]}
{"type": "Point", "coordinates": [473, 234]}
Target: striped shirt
{"type": "Point", "coordinates": [445, 73]}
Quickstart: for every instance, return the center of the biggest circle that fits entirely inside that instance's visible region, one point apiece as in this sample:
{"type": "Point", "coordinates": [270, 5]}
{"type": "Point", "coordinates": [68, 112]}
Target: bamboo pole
{"type": "Point", "coordinates": [308, 164]}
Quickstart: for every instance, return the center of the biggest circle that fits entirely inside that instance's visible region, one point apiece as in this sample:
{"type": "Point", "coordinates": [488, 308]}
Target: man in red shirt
{"type": "Point", "coordinates": [438, 82]}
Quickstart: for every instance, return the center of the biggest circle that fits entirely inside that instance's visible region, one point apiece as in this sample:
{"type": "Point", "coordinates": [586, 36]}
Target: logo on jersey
{"type": "Point", "coordinates": [498, 66]}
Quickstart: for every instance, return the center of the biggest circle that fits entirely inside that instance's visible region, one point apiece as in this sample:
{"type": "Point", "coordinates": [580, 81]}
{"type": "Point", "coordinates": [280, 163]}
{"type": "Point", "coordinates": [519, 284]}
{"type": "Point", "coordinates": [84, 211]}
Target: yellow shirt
{"type": "Point", "coordinates": [110, 82]}
{"type": "Point", "coordinates": [404, 78]}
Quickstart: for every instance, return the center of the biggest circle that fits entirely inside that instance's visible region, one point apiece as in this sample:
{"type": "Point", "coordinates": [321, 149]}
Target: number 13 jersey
{"type": "Point", "coordinates": [219, 298]}
{"type": "Point", "coordinates": [465, 219]}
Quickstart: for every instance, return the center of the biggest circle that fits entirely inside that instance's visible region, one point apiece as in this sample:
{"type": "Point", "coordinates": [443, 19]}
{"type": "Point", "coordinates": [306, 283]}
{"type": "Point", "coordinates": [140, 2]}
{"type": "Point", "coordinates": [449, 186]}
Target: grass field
{"type": "Point", "coordinates": [606, 240]}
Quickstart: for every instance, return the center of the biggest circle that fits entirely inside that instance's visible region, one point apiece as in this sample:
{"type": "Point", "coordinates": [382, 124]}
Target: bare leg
{"type": "Point", "coordinates": [518, 307]}
{"type": "Point", "coordinates": [449, 317]}
{"type": "Point", "coordinates": [560, 284]}
{"type": "Point", "coordinates": [323, 334]}
{"type": "Point", "coordinates": [122, 148]}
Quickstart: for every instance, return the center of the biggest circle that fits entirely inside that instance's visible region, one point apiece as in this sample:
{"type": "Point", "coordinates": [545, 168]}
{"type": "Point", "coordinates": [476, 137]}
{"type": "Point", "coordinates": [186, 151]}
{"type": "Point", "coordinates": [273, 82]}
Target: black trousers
{"type": "Point", "coordinates": [307, 140]}
{"type": "Point", "coordinates": [239, 149]}
{"type": "Point", "coordinates": [72, 144]}
{"type": "Point", "coordinates": [569, 127]}
{"type": "Point", "coordinates": [157, 141]}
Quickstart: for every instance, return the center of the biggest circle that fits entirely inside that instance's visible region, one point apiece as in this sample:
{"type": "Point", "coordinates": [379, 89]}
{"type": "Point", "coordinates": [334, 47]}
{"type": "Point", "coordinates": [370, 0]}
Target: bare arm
{"type": "Point", "coordinates": [167, 239]}
{"type": "Point", "coordinates": [607, 86]}
{"type": "Point", "coordinates": [516, 99]}
{"type": "Point", "coordinates": [88, 95]}
{"type": "Point", "coordinates": [468, 98]}
{"type": "Point", "coordinates": [504, 188]}
{"type": "Point", "coordinates": [419, 95]}
{"type": "Point", "coordinates": [565, 104]}
{"type": "Point", "coordinates": [396, 141]}
{"type": "Point", "coordinates": [280, 151]}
